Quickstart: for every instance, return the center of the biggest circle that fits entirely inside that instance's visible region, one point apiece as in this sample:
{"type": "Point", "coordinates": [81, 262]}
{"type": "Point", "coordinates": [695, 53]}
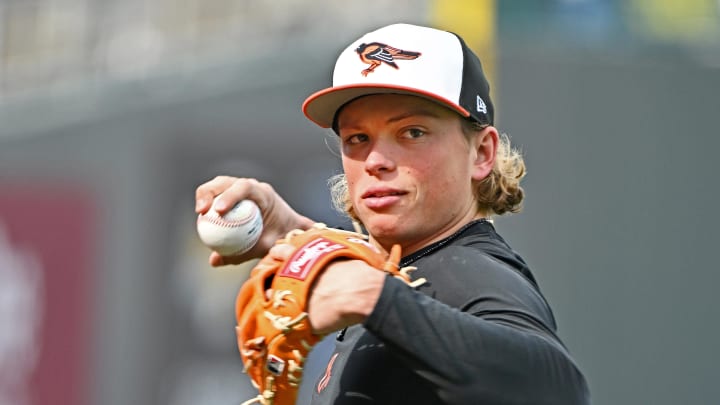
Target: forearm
{"type": "Point", "coordinates": [344, 294]}
{"type": "Point", "coordinates": [469, 359]}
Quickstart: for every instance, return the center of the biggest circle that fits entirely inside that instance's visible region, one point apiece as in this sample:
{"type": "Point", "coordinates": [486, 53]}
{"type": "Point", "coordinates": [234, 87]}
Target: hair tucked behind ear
{"type": "Point", "coordinates": [498, 193]}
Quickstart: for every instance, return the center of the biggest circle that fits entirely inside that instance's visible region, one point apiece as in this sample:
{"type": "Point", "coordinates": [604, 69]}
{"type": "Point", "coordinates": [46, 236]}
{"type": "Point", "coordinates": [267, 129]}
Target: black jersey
{"type": "Point", "coordinates": [478, 332]}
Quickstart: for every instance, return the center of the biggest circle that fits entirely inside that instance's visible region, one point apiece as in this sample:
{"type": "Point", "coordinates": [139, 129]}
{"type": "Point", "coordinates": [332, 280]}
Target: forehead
{"type": "Point", "coordinates": [391, 105]}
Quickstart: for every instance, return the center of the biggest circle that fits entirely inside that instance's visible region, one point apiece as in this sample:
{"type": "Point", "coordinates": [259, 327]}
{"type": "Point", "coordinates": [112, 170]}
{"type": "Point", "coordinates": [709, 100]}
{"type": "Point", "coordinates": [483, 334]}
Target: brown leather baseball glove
{"type": "Point", "coordinates": [273, 331]}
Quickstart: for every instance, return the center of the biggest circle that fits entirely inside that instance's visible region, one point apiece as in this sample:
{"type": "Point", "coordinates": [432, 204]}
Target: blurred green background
{"type": "Point", "coordinates": [112, 112]}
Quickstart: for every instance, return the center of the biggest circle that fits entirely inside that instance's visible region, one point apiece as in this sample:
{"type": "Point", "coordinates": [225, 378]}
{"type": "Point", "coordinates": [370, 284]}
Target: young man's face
{"type": "Point", "coordinates": [409, 168]}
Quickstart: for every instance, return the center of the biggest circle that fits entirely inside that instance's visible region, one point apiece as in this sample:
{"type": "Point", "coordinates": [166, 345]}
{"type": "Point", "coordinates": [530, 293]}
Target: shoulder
{"type": "Point", "coordinates": [469, 271]}
{"type": "Point", "coordinates": [482, 276]}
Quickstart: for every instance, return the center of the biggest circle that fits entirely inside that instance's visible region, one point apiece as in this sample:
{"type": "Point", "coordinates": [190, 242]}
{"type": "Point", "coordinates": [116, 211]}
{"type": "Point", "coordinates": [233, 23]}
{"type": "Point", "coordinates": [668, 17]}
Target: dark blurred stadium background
{"type": "Point", "coordinates": [112, 112]}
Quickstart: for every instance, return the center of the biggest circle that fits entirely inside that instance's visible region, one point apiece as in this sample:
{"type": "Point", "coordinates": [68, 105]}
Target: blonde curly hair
{"type": "Point", "coordinates": [497, 194]}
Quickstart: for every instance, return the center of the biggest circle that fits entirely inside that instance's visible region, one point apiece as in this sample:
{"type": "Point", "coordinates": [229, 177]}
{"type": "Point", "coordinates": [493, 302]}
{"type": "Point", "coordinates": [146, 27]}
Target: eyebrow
{"type": "Point", "coordinates": [413, 113]}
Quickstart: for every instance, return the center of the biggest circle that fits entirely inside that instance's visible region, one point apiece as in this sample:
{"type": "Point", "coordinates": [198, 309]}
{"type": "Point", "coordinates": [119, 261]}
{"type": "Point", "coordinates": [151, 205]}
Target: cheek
{"type": "Point", "coordinates": [432, 181]}
{"type": "Point", "coordinates": [347, 166]}
{"type": "Point", "coordinates": [351, 170]}
{"type": "Point", "coordinates": [446, 181]}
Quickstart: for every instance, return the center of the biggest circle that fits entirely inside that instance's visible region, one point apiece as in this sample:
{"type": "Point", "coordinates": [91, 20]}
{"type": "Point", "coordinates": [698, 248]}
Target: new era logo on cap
{"type": "Point", "coordinates": [406, 59]}
{"type": "Point", "coordinates": [480, 104]}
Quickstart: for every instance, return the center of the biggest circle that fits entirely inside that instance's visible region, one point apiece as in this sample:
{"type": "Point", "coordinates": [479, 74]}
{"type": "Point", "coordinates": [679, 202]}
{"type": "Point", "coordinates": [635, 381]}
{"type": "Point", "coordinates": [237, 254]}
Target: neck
{"type": "Point", "coordinates": [412, 244]}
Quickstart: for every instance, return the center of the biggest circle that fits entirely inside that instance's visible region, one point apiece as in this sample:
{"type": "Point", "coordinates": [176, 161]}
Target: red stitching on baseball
{"type": "Point", "coordinates": [218, 220]}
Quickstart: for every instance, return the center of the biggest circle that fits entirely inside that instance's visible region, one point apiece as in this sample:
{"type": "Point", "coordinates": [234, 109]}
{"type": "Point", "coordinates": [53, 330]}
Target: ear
{"type": "Point", "coordinates": [484, 144]}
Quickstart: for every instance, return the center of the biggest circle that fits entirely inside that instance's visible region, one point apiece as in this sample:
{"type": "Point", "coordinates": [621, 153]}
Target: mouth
{"type": "Point", "coordinates": [380, 193]}
{"type": "Point", "coordinates": [381, 198]}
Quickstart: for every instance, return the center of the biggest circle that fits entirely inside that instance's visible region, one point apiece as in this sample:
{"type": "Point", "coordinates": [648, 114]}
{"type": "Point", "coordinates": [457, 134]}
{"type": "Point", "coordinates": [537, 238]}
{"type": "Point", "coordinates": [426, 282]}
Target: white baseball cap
{"type": "Point", "coordinates": [406, 59]}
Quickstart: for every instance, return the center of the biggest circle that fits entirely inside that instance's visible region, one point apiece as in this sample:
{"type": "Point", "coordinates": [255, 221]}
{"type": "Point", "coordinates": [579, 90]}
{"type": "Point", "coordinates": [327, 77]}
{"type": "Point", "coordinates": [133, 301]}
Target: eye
{"type": "Point", "coordinates": [355, 139]}
{"type": "Point", "coordinates": [414, 133]}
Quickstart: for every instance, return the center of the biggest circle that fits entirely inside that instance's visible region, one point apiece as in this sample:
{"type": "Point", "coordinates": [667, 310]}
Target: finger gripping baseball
{"type": "Point", "coordinates": [273, 330]}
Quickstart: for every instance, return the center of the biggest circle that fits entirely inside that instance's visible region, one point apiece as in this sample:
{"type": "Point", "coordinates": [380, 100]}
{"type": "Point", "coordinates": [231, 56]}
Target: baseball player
{"type": "Point", "coordinates": [425, 171]}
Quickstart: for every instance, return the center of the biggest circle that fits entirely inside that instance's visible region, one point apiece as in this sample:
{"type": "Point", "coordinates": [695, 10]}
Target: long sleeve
{"type": "Point", "coordinates": [470, 359]}
{"type": "Point", "coordinates": [478, 332]}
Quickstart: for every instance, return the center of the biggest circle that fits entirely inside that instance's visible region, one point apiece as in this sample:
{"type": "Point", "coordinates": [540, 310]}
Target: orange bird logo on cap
{"type": "Point", "coordinates": [375, 54]}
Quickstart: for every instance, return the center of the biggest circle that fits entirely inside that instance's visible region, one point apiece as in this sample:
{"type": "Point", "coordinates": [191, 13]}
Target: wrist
{"type": "Point", "coordinates": [360, 305]}
{"type": "Point", "coordinates": [344, 294]}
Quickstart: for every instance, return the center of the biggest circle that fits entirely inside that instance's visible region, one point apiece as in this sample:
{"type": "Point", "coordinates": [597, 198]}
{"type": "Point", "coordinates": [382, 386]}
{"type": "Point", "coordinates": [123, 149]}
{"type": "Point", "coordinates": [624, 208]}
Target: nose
{"type": "Point", "coordinates": [379, 160]}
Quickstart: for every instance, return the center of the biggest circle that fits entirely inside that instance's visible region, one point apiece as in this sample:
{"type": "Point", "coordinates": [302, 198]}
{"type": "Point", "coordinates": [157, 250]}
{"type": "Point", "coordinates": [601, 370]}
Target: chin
{"type": "Point", "coordinates": [382, 226]}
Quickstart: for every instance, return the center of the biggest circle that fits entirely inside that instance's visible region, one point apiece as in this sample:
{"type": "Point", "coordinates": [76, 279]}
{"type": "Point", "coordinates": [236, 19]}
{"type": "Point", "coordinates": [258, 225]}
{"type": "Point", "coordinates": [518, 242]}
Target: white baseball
{"type": "Point", "coordinates": [233, 233]}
